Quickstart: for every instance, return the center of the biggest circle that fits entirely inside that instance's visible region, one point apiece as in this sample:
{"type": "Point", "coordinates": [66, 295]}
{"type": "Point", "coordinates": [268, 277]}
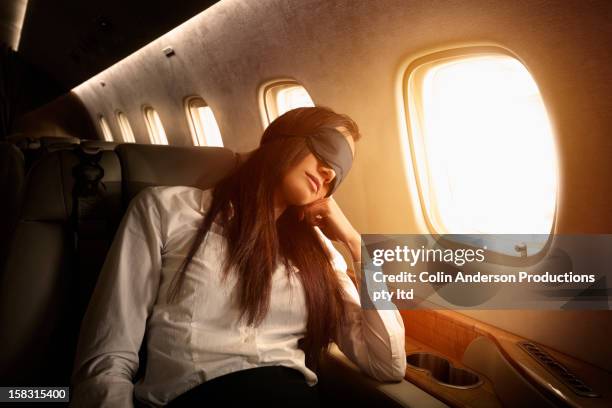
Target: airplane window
{"type": "Point", "coordinates": [126, 129]}
{"type": "Point", "coordinates": [157, 134]}
{"type": "Point", "coordinates": [202, 123]}
{"type": "Point", "coordinates": [282, 96]}
{"type": "Point", "coordinates": [483, 146]}
{"type": "Point", "coordinates": [106, 132]}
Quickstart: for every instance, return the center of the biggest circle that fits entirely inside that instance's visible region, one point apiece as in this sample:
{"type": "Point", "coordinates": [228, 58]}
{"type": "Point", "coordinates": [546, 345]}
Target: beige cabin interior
{"type": "Point", "coordinates": [352, 56]}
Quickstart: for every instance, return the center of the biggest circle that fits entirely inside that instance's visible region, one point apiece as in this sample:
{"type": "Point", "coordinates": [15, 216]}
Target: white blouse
{"type": "Point", "coordinates": [200, 337]}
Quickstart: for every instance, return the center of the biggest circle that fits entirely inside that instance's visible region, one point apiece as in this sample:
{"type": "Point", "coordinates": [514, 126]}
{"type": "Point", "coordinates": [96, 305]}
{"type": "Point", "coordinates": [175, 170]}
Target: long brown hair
{"type": "Point", "coordinates": [243, 204]}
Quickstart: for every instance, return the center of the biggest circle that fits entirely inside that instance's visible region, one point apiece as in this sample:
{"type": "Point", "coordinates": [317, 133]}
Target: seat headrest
{"type": "Point", "coordinates": [48, 141]}
{"type": "Point", "coordinates": [29, 142]}
{"type": "Point", "coordinates": [48, 195]}
{"type": "Point", "coordinates": [98, 145]}
{"type": "Point", "coordinates": [157, 165]}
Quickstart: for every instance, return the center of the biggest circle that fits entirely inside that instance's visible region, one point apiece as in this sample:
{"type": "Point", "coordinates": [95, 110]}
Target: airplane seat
{"type": "Point", "coordinates": [35, 147]}
{"type": "Point", "coordinates": [46, 283]}
{"type": "Point", "coordinates": [29, 146]}
{"type": "Point", "coordinates": [99, 144]}
{"type": "Point", "coordinates": [30, 142]}
{"type": "Point", "coordinates": [12, 179]}
{"type": "Point", "coordinates": [22, 141]}
{"type": "Point", "coordinates": [157, 165]}
{"type": "Point", "coordinates": [50, 275]}
{"type": "Point", "coordinates": [53, 143]}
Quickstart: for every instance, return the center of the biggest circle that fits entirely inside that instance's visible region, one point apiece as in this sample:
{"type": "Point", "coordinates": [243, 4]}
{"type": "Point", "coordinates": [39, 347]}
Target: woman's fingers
{"type": "Point", "coordinates": [313, 218]}
{"type": "Point", "coordinates": [327, 215]}
{"type": "Point", "coordinates": [314, 213]}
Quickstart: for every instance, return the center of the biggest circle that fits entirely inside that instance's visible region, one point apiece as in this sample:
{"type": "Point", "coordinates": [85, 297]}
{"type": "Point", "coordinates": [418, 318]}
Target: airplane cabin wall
{"type": "Point", "coordinates": [349, 56]}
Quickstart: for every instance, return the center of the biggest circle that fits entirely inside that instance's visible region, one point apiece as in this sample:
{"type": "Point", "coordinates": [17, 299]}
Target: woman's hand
{"type": "Point", "coordinates": [327, 215]}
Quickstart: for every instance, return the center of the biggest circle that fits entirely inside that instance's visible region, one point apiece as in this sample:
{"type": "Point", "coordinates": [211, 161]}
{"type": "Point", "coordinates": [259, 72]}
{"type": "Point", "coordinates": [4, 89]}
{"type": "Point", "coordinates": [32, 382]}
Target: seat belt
{"type": "Point", "coordinates": [90, 221]}
{"type": "Point", "coordinates": [88, 213]}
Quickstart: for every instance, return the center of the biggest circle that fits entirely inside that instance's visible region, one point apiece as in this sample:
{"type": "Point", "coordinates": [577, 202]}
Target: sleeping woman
{"type": "Point", "coordinates": [237, 290]}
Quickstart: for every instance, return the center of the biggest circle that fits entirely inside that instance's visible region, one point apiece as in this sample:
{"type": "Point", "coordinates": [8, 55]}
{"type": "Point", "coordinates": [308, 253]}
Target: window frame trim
{"type": "Point", "coordinates": [149, 125]}
{"type": "Point", "coordinates": [105, 127]}
{"type": "Point", "coordinates": [191, 123]}
{"type": "Point", "coordinates": [118, 120]}
{"type": "Point", "coordinates": [265, 88]}
{"type": "Point", "coordinates": [408, 115]}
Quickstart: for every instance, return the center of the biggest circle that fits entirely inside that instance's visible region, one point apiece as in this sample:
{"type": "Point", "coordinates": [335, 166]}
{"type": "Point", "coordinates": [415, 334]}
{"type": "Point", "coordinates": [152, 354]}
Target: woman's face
{"type": "Point", "coordinates": [310, 179]}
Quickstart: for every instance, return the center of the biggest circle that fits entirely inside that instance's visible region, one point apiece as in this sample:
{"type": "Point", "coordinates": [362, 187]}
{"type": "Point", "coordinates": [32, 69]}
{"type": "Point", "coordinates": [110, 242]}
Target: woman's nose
{"type": "Point", "coordinates": [328, 174]}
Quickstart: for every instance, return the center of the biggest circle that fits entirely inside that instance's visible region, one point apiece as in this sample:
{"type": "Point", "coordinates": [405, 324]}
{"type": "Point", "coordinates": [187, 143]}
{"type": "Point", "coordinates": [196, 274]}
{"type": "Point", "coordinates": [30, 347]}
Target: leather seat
{"type": "Point", "coordinates": [154, 165]}
{"type": "Point", "coordinates": [34, 148]}
{"type": "Point", "coordinates": [48, 280]}
{"type": "Point", "coordinates": [98, 144]}
{"type": "Point", "coordinates": [12, 180]}
{"type": "Point", "coordinates": [38, 293]}
{"type": "Point", "coordinates": [54, 143]}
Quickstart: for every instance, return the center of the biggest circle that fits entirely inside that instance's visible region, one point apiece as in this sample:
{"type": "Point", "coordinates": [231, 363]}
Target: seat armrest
{"type": "Point", "coordinates": [341, 381]}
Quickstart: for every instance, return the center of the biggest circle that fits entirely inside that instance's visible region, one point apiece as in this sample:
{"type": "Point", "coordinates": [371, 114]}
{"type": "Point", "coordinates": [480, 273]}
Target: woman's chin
{"type": "Point", "coordinates": [303, 201]}
{"type": "Point", "coordinates": [298, 195]}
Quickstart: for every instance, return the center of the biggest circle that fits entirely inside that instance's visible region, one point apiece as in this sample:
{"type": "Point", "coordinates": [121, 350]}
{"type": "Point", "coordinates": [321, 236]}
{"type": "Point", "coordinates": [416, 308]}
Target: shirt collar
{"type": "Point", "coordinates": [205, 202]}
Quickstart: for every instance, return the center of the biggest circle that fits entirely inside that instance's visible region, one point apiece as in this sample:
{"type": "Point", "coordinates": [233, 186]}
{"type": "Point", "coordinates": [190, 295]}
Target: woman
{"type": "Point", "coordinates": [238, 288]}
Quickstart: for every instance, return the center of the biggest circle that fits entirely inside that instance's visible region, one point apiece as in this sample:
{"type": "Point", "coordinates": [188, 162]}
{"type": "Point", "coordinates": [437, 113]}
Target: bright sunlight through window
{"type": "Point", "coordinates": [157, 134]}
{"type": "Point", "coordinates": [484, 146]}
{"type": "Point", "coordinates": [126, 129]}
{"type": "Point", "coordinates": [106, 132]}
{"type": "Point", "coordinates": [284, 96]}
{"type": "Point", "coordinates": [203, 125]}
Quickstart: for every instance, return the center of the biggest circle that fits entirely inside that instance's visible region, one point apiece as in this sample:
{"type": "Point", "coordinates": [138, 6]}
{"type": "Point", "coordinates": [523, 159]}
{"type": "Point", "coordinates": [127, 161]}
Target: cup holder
{"type": "Point", "coordinates": [442, 371]}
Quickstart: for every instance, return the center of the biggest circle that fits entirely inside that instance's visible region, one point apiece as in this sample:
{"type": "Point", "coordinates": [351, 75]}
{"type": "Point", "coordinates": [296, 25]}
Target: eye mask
{"type": "Point", "coordinates": [331, 147]}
